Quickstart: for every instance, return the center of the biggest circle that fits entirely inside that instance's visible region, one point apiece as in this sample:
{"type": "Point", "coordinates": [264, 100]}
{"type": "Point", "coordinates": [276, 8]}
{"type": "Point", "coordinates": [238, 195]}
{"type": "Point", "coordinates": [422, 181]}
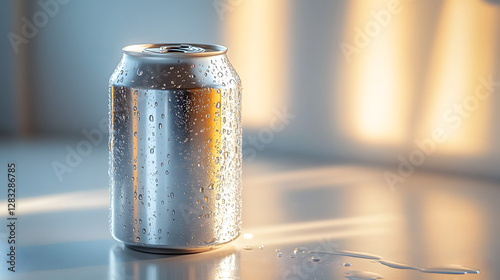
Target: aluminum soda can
{"type": "Point", "coordinates": [175, 148]}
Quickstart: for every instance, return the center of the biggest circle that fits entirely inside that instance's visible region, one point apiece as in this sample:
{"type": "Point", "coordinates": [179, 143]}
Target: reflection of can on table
{"type": "Point", "coordinates": [216, 265]}
{"type": "Point", "coordinates": [175, 148]}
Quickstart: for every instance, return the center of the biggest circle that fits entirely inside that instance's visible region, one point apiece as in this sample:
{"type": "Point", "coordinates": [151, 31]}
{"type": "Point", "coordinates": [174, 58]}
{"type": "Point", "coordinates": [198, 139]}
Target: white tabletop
{"type": "Point", "coordinates": [429, 220]}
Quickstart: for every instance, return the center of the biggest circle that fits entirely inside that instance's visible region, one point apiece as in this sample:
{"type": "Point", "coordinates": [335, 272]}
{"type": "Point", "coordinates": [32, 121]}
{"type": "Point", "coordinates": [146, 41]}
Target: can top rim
{"type": "Point", "coordinates": [174, 50]}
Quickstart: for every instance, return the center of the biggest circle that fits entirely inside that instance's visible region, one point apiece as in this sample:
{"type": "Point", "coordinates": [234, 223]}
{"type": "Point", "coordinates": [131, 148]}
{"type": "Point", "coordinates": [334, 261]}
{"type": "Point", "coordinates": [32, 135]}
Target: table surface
{"type": "Point", "coordinates": [428, 220]}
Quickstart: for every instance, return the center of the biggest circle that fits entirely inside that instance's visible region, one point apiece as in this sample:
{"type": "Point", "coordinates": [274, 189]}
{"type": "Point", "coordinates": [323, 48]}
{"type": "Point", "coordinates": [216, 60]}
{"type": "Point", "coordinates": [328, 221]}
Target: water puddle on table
{"type": "Point", "coordinates": [365, 275]}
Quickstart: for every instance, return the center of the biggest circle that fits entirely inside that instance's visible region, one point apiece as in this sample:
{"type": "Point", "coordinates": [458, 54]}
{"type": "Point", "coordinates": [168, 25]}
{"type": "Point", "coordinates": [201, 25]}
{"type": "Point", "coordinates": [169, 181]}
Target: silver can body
{"type": "Point", "coordinates": [175, 148]}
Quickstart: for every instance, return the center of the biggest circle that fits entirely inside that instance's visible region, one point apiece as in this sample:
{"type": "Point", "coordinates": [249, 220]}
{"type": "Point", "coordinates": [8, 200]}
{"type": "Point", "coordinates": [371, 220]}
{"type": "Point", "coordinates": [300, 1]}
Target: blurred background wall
{"type": "Point", "coordinates": [379, 82]}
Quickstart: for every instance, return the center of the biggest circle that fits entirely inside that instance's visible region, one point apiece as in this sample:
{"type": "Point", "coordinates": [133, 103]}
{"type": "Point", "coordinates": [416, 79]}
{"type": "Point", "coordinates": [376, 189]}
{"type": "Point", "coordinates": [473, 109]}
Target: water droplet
{"type": "Point", "coordinates": [171, 195]}
{"type": "Point", "coordinates": [160, 126]}
{"type": "Point", "coordinates": [278, 250]}
{"type": "Point", "coordinates": [362, 275]}
{"type": "Point", "coordinates": [396, 265]}
{"type": "Point", "coordinates": [140, 197]}
{"type": "Point", "coordinates": [143, 230]}
{"type": "Point", "coordinates": [217, 196]}
{"type": "Point", "coordinates": [261, 247]}
{"type": "Point", "coordinates": [151, 118]}
{"type": "Point", "coordinates": [166, 173]}
{"type": "Point", "coordinates": [137, 238]}
{"type": "Point", "coordinates": [152, 150]}
{"type": "Point", "coordinates": [349, 254]}
{"type": "Point", "coordinates": [135, 133]}
{"type": "Point", "coordinates": [201, 189]}
{"type": "Point", "coordinates": [140, 221]}
{"type": "Point", "coordinates": [451, 269]}
{"type": "Point", "coordinates": [162, 116]}
{"type": "Point", "coordinates": [139, 72]}
{"type": "Point", "coordinates": [300, 249]}
{"type": "Point", "coordinates": [315, 259]}
{"type": "Point", "coordinates": [217, 105]}
{"type": "Point", "coordinates": [159, 230]}
{"type": "Point", "coordinates": [187, 243]}
{"type": "Point", "coordinates": [211, 186]}
{"type": "Point", "coordinates": [280, 254]}
{"type": "Point", "coordinates": [205, 198]}
{"type": "Point", "coordinates": [247, 248]}
{"type": "Point", "coordinates": [346, 264]}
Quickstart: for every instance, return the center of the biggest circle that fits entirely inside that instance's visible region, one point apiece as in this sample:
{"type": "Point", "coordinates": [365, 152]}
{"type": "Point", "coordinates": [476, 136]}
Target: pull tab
{"type": "Point", "coordinates": [175, 49]}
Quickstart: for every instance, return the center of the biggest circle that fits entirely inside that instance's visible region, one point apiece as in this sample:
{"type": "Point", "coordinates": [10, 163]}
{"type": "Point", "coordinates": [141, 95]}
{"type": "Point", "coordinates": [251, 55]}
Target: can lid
{"type": "Point", "coordinates": [184, 50]}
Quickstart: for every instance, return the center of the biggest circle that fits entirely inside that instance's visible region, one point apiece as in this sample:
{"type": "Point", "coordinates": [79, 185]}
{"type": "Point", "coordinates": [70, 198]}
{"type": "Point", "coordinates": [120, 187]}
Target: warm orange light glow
{"type": "Point", "coordinates": [257, 38]}
{"type": "Point", "coordinates": [134, 155]}
{"type": "Point", "coordinates": [376, 86]}
{"type": "Point", "coordinates": [452, 225]}
{"type": "Point", "coordinates": [464, 51]}
{"type": "Point", "coordinates": [112, 116]}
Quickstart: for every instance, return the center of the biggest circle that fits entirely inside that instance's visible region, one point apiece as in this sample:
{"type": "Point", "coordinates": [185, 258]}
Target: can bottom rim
{"type": "Point", "coordinates": [171, 251]}
{"type": "Point", "coordinates": [174, 251]}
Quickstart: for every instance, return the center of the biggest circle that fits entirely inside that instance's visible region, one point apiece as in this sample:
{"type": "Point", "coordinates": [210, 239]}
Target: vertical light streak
{"type": "Point", "coordinates": [377, 87]}
{"type": "Point", "coordinates": [464, 51]}
{"type": "Point", "coordinates": [257, 40]}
